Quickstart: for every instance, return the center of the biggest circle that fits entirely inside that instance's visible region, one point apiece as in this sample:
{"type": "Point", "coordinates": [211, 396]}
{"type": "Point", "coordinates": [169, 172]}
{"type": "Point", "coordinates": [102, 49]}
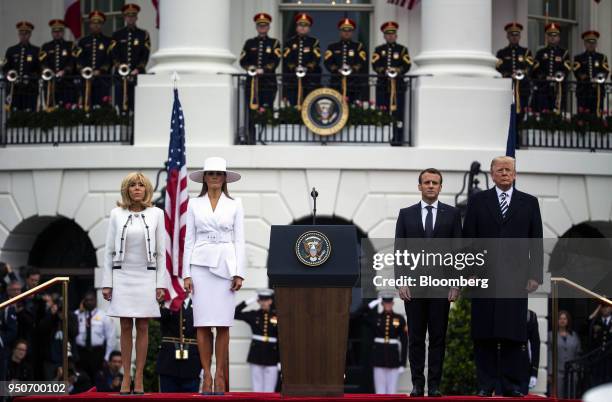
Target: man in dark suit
{"type": "Point", "coordinates": [499, 327]}
{"type": "Point", "coordinates": [427, 308]}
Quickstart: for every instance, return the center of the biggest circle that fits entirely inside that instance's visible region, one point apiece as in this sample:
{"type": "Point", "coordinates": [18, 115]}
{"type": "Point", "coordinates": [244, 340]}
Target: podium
{"type": "Point", "coordinates": [312, 269]}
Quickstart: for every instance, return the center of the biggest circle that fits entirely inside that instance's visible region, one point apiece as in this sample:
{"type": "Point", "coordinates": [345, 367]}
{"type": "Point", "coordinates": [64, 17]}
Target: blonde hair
{"type": "Point", "coordinates": [126, 201]}
{"type": "Point", "coordinates": [501, 159]}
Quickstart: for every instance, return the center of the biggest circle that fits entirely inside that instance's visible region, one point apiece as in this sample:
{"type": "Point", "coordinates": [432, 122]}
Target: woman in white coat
{"type": "Point", "coordinates": [134, 275]}
{"type": "Point", "coordinates": [214, 264]}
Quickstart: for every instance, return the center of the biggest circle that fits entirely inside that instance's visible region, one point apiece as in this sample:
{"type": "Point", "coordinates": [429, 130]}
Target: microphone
{"type": "Point", "coordinates": [314, 194]}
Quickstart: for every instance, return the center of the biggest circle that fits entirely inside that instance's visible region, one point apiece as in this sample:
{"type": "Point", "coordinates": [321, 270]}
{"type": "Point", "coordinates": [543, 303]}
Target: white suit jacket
{"type": "Point", "coordinates": [154, 233]}
{"type": "Point", "coordinates": [215, 239]}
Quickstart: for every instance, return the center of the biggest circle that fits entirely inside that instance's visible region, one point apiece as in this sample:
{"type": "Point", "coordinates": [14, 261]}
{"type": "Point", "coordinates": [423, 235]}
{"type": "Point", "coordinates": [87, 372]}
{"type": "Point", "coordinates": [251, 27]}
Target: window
{"type": "Point", "coordinates": [562, 12]}
{"type": "Point", "coordinates": [112, 9]}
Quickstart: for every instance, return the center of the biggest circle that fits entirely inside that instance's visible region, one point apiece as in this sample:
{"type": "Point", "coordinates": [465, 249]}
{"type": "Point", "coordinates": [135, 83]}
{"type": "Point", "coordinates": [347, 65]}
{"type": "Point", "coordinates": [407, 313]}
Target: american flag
{"type": "Point", "coordinates": [177, 198]}
{"type": "Point", "coordinates": [404, 3]}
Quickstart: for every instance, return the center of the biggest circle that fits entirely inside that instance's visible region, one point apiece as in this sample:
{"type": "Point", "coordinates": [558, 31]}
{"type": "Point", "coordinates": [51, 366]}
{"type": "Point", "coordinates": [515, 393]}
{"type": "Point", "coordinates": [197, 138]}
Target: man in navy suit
{"type": "Point", "coordinates": [499, 327]}
{"type": "Point", "coordinates": [427, 308]}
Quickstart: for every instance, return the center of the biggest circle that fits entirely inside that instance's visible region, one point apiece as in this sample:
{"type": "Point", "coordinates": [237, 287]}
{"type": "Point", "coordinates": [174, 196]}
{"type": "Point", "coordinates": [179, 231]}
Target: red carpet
{"type": "Point", "coordinates": [263, 397]}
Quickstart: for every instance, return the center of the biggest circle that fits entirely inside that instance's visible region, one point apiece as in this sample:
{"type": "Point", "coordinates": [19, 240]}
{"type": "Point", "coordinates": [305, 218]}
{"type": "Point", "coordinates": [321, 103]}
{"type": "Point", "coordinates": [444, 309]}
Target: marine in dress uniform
{"type": "Point", "coordinates": [515, 61]}
{"type": "Point", "coordinates": [390, 348]}
{"type": "Point", "coordinates": [130, 47]}
{"type": "Point", "coordinates": [92, 52]}
{"type": "Point", "coordinates": [263, 354]}
{"type": "Point", "coordinates": [348, 57]}
{"type": "Point", "coordinates": [551, 62]}
{"type": "Point", "coordinates": [302, 52]}
{"type": "Point", "coordinates": [391, 61]}
{"type": "Point", "coordinates": [178, 360]}
{"type": "Point", "coordinates": [260, 57]}
{"type": "Point", "coordinates": [22, 60]}
{"type": "Point", "coordinates": [600, 338]}
{"type": "Point", "coordinates": [56, 56]}
{"type": "Point", "coordinates": [589, 67]}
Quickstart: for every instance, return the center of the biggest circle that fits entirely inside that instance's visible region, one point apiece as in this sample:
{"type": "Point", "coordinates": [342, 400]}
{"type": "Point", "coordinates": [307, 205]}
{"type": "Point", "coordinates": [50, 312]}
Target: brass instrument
{"type": "Point", "coordinates": [123, 70]}
{"type": "Point", "coordinates": [346, 70]}
{"type": "Point", "coordinates": [12, 76]}
{"type": "Point", "coordinates": [559, 76]}
{"type": "Point", "coordinates": [47, 74]}
{"type": "Point", "coordinates": [87, 73]}
{"type": "Point", "coordinates": [600, 78]}
{"type": "Point", "coordinates": [252, 71]}
{"type": "Point", "coordinates": [518, 75]}
{"type": "Point", "coordinates": [391, 73]}
{"type": "Point", "coordinates": [300, 71]}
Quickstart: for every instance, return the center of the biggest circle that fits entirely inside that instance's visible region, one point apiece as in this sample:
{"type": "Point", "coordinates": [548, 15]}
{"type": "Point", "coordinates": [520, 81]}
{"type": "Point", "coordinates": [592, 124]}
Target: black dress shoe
{"type": "Point", "coordinates": [484, 394]}
{"type": "Point", "coordinates": [416, 392]}
{"type": "Point", "coordinates": [514, 394]}
{"type": "Point", "coordinates": [434, 392]}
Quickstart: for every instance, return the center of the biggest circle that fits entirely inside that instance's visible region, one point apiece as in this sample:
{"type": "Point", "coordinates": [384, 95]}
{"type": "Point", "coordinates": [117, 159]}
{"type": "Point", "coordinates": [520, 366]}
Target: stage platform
{"type": "Point", "coordinates": [264, 397]}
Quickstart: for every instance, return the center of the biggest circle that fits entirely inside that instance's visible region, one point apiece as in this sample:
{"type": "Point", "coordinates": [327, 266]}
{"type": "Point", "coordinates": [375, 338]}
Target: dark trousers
{"type": "Point", "coordinates": [356, 88]}
{"type": "Point", "coordinates": [499, 365]}
{"type": "Point", "coordinates": [545, 97]}
{"type": "Point", "coordinates": [383, 99]}
{"type": "Point", "coordinates": [91, 359]}
{"type": "Point", "coordinates": [24, 96]}
{"type": "Point", "coordinates": [100, 91]}
{"type": "Point", "coordinates": [169, 383]}
{"type": "Point", "coordinates": [265, 91]}
{"type": "Point", "coordinates": [309, 84]}
{"type": "Point", "coordinates": [120, 90]}
{"type": "Point", "coordinates": [423, 315]}
{"type": "Point", "coordinates": [588, 101]}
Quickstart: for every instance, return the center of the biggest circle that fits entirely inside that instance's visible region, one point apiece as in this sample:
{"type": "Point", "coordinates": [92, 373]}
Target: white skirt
{"type": "Point", "coordinates": [134, 293]}
{"type": "Point", "coordinates": [213, 300]}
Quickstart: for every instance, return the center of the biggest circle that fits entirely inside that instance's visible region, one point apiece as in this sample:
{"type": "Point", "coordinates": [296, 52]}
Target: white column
{"type": "Point", "coordinates": [194, 41]}
{"type": "Point", "coordinates": [459, 100]}
{"type": "Point", "coordinates": [456, 38]}
{"type": "Point", "coordinates": [194, 36]}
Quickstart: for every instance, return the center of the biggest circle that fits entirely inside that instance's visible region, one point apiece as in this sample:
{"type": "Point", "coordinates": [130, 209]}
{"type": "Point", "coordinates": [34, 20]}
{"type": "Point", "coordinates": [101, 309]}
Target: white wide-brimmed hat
{"type": "Point", "coordinates": [214, 164]}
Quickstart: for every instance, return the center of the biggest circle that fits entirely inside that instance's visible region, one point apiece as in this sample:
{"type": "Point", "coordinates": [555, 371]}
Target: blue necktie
{"type": "Point", "coordinates": [429, 222]}
{"type": "Point", "coordinates": [503, 204]}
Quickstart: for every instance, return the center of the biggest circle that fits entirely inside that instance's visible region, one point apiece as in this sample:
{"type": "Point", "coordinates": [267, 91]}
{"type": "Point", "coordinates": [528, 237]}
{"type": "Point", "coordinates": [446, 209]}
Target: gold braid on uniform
{"type": "Point", "coordinates": [517, 94]}
{"type": "Point", "coordinates": [299, 94]}
{"type": "Point", "coordinates": [253, 104]}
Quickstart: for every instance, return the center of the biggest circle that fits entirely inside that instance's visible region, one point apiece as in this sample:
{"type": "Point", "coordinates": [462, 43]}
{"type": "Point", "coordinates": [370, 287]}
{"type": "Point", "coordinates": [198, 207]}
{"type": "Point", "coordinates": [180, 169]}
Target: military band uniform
{"type": "Point", "coordinates": [57, 55]}
{"type": "Point", "coordinates": [263, 353]}
{"type": "Point", "coordinates": [131, 46]}
{"type": "Point", "coordinates": [178, 363]}
{"type": "Point", "coordinates": [391, 56]}
{"type": "Point", "coordinates": [301, 50]}
{"type": "Point", "coordinates": [261, 52]}
{"type": "Point", "coordinates": [550, 95]}
{"type": "Point", "coordinates": [588, 66]}
{"type": "Point", "coordinates": [600, 339]}
{"type": "Point", "coordinates": [389, 350]}
{"type": "Point", "coordinates": [23, 58]}
{"type": "Point", "coordinates": [92, 51]}
{"type": "Point", "coordinates": [352, 54]}
{"type": "Point", "coordinates": [512, 59]}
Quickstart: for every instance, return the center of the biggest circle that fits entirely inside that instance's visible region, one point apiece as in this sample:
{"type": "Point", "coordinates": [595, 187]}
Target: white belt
{"type": "Point", "coordinates": [216, 237]}
{"type": "Point", "coordinates": [262, 338]}
{"type": "Point", "coordinates": [383, 340]}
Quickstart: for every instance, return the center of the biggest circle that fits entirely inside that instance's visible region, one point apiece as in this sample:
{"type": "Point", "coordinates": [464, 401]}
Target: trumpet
{"type": "Point", "coordinates": [300, 71]}
{"type": "Point", "coordinates": [518, 75]}
{"type": "Point", "coordinates": [47, 74]}
{"type": "Point", "coordinates": [12, 76]}
{"type": "Point", "coordinates": [123, 70]}
{"type": "Point", "coordinates": [600, 78]}
{"type": "Point", "coordinates": [87, 73]}
{"type": "Point", "coordinates": [346, 70]}
{"type": "Point", "coordinates": [559, 76]}
{"type": "Point", "coordinates": [391, 72]}
{"type": "Point", "coordinates": [252, 71]}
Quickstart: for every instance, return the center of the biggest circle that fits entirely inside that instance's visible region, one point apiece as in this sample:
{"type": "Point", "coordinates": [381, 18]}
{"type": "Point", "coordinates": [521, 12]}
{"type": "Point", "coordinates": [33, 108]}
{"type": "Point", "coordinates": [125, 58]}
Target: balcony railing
{"type": "Point", "coordinates": [370, 119]}
{"type": "Point", "coordinates": [579, 116]}
{"type": "Point", "coordinates": [67, 110]}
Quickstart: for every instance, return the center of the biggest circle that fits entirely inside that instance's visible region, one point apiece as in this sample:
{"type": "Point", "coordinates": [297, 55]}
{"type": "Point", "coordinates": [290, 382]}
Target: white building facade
{"type": "Point", "coordinates": [460, 113]}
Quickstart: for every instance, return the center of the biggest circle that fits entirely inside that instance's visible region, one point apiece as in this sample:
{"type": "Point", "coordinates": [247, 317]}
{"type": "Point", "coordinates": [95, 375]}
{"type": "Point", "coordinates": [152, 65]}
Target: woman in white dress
{"type": "Point", "coordinates": [214, 264]}
{"type": "Point", "coordinates": [134, 276]}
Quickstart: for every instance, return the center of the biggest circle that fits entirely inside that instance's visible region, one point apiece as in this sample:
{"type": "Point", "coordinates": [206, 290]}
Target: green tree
{"type": "Point", "coordinates": [459, 376]}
